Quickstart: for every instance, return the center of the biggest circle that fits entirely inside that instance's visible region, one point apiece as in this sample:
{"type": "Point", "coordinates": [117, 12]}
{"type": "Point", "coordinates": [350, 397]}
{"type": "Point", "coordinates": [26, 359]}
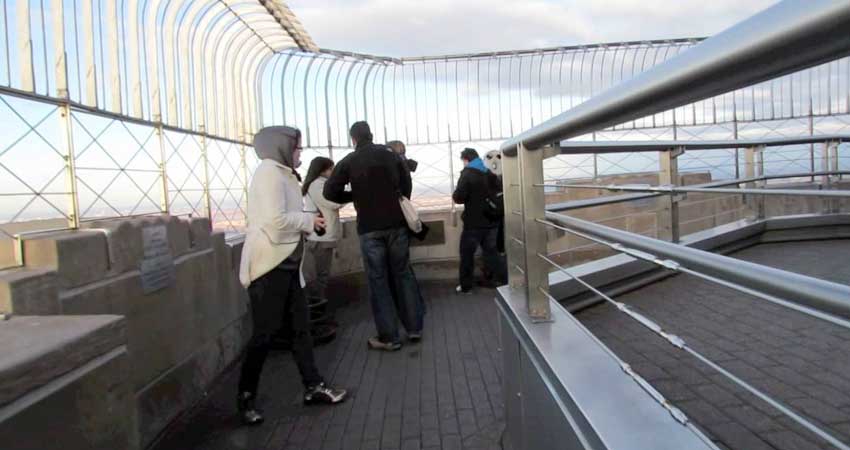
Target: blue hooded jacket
{"type": "Point", "coordinates": [475, 186]}
{"type": "Point", "coordinates": [478, 164]}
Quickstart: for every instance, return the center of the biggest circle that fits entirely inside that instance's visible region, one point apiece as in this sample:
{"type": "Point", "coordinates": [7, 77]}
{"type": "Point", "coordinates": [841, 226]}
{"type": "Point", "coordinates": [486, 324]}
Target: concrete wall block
{"type": "Point", "coordinates": [697, 210]}
{"type": "Point", "coordinates": [221, 300]}
{"type": "Point", "coordinates": [347, 254]}
{"type": "Point", "coordinates": [790, 205]}
{"type": "Point", "coordinates": [640, 223]}
{"type": "Point", "coordinates": [7, 252]}
{"type": "Point", "coordinates": [90, 409]}
{"type": "Point", "coordinates": [163, 327]}
{"type": "Point", "coordinates": [178, 231]}
{"type": "Point", "coordinates": [619, 223]}
{"type": "Point", "coordinates": [29, 292]}
{"type": "Point", "coordinates": [185, 384]}
{"type": "Point", "coordinates": [687, 179]}
{"type": "Point", "coordinates": [729, 202]}
{"type": "Point", "coordinates": [236, 254]}
{"type": "Point", "coordinates": [79, 257]}
{"type": "Point", "coordinates": [159, 403]}
{"type": "Point", "coordinates": [730, 216]}
{"type": "Point", "coordinates": [686, 228]}
{"type": "Point", "coordinates": [603, 212]}
{"type": "Point", "coordinates": [241, 294]}
{"type": "Point", "coordinates": [124, 241]}
{"type": "Point", "coordinates": [199, 232]}
{"type": "Point", "coordinates": [178, 235]}
{"type": "Point", "coordinates": [38, 349]}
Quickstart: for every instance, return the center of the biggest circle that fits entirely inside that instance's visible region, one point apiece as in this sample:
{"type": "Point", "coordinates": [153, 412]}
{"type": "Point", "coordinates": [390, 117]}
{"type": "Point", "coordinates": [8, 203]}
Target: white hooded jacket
{"type": "Point", "coordinates": [275, 217]}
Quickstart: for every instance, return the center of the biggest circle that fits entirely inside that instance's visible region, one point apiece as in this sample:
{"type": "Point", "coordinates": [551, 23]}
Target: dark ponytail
{"type": "Point", "coordinates": [318, 165]}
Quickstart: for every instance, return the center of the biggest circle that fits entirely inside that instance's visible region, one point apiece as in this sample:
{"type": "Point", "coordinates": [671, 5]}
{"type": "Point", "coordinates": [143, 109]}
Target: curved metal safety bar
{"type": "Point", "coordinates": [573, 147]}
{"type": "Point", "coordinates": [819, 294]}
{"type": "Point", "coordinates": [612, 199]}
{"type": "Point", "coordinates": [674, 266]}
{"type": "Point", "coordinates": [682, 190]}
{"type": "Point", "coordinates": [681, 344]}
{"type": "Point", "coordinates": [789, 36]}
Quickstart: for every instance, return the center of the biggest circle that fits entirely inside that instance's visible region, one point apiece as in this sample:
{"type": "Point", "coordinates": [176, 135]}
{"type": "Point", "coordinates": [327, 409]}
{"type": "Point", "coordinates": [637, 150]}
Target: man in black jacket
{"type": "Point", "coordinates": [378, 177]}
{"type": "Point", "coordinates": [476, 190]}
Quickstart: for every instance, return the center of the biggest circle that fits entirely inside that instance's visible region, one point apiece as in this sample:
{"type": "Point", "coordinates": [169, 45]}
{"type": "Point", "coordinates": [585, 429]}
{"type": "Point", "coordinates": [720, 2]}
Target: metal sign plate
{"type": "Point", "coordinates": [157, 267]}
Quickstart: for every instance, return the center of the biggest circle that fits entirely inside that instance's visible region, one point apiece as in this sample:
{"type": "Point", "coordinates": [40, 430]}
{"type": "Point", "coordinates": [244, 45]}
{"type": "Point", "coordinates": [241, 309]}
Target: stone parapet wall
{"type": "Point", "coordinates": [178, 338]}
{"type": "Point", "coordinates": [64, 383]}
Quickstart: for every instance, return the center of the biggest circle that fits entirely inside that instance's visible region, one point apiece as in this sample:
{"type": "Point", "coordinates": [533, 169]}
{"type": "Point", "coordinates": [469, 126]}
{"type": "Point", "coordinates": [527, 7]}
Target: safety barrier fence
{"type": "Point", "coordinates": [134, 107]}
{"type": "Point", "coordinates": [743, 55]}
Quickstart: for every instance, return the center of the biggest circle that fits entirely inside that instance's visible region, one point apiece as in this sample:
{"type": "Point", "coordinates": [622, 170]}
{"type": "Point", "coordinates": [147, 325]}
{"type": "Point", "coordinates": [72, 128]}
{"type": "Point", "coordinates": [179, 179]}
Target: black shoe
{"type": "Point", "coordinates": [376, 344]}
{"type": "Point", "coordinates": [414, 337]}
{"type": "Point", "coordinates": [249, 412]}
{"type": "Point", "coordinates": [321, 393]}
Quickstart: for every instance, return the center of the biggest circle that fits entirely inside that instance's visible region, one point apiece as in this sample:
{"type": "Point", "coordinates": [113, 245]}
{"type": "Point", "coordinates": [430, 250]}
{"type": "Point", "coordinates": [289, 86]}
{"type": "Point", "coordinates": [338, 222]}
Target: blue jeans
{"type": "Point", "coordinates": [386, 258]}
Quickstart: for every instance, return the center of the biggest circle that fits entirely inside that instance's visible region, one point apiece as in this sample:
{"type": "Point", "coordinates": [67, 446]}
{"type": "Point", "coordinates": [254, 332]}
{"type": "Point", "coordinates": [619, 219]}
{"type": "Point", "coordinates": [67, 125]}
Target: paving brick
{"type": "Point", "coordinates": [787, 375]}
{"type": "Point", "coordinates": [753, 419]}
{"type": "Point", "coordinates": [432, 395]}
{"type": "Point", "coordinates": [716, 395]}
{"type": "Point", "coordinates": [431, 439]}
{"type": "Point", "coordinates": [411, 444]}
{"type": "Point", "coordinates": [650, 371]}
{"type": "Point", "coordinates": [452, 442]}
{"type": "Point", "coordinates": [827, 394]}
{"type": "Point", "coordinates": [674, 390]}
{"type": "Point", "coordinates": [737, 437]}
{"type": "Point", "coordinates": [786, 440]}
{"type": "Point", "coordinates": [819, 410]}
{"type": "Point", "coordinates": [798, 360]}
{"type": "Point", "coordinates": [703, 412]}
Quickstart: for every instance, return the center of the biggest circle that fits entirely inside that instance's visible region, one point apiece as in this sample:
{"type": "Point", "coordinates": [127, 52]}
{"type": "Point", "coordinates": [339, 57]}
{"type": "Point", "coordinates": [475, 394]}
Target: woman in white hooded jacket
{"type": "Point", "coordinates": [269, 269]}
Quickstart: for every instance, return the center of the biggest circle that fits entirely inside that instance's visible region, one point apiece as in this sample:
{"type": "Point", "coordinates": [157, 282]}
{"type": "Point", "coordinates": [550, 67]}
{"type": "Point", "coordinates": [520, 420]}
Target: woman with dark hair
{"type": "Point", "coordinates": [318, 253]}
{"type": "Point", "coordinates": [271, 257]}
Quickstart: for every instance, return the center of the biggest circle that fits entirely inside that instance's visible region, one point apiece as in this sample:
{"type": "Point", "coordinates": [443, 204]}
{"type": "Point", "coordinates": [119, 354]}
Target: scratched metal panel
{"type": "Point", "coordinates": [562, 368]}
{"type": "Point", "coordinates": [545, 424]}
{"type": "Point", "coordinates": [511, 384]}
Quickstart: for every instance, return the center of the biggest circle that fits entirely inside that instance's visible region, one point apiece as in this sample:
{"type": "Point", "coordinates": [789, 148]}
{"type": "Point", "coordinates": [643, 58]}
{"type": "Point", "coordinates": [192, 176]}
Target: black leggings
{"type": "Point", "coordinates": [277, 301]}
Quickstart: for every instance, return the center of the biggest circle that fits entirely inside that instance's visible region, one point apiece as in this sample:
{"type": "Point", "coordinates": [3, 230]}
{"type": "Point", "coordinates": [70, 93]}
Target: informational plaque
{"type": "Point", "coordinates": [157, 266]}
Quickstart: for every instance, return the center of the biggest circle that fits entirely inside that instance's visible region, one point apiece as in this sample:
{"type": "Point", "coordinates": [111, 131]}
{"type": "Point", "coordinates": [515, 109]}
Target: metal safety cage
{"type": "Point", "coordinates": [142, 106]}
{"type": "Point", "coordinates": [492, 96]}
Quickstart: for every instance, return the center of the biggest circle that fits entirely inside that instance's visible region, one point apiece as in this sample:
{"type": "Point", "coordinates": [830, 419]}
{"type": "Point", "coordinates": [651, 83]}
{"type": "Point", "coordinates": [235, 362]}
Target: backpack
{"type": "Point", "coordinates": [494, 204]}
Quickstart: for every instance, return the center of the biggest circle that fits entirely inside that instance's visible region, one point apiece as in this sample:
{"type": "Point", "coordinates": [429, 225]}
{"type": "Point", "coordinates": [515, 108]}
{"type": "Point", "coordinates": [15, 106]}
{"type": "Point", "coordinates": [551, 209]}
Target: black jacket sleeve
{"type": "Point", "coordinates": [405, 184]}
{"type": "Point", "coordinates": [462, 190]}
{"type": "Point", "coordinates": [335, 186]}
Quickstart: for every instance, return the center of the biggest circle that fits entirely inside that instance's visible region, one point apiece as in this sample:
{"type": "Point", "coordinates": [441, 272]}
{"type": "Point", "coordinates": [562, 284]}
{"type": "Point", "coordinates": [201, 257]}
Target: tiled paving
{"type": "Point", "coordinates": [801, 361]}
{"type": "Point", "coordinates": [444, 393]}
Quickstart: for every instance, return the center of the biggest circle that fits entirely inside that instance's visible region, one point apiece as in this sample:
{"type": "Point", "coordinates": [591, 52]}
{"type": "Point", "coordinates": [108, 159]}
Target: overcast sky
{"type": "Point", "coordinates": [433, 27]}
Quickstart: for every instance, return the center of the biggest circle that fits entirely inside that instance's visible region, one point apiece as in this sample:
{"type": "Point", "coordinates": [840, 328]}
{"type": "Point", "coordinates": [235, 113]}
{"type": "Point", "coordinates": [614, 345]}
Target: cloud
{"type": "Point", "coordinates": [417, 28]}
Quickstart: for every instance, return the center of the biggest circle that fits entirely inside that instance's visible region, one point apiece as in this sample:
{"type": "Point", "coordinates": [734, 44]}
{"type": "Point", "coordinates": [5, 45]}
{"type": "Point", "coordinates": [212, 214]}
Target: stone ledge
{"type": "Point", "coordinates": [37, 349]}
{"type": "Point", "coordinates": [29, 292]}
{"type": "Point", "coordinates": [78, 257]}
{"type": "Point", "coordinates": [89, 408]}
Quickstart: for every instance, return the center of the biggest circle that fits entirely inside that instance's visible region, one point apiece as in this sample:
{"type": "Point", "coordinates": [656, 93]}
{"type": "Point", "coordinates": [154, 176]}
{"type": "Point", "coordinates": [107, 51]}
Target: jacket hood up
{"type": "Point", "coordinates": [478, 165]}
{"type": "Point", "coordinates": [277, 144]}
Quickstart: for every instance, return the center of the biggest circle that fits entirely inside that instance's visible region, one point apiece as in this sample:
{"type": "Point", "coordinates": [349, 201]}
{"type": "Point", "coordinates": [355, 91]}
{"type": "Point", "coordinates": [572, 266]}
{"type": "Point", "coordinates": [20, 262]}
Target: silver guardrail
{"type": "Point", "coordinates": [790, 36]}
